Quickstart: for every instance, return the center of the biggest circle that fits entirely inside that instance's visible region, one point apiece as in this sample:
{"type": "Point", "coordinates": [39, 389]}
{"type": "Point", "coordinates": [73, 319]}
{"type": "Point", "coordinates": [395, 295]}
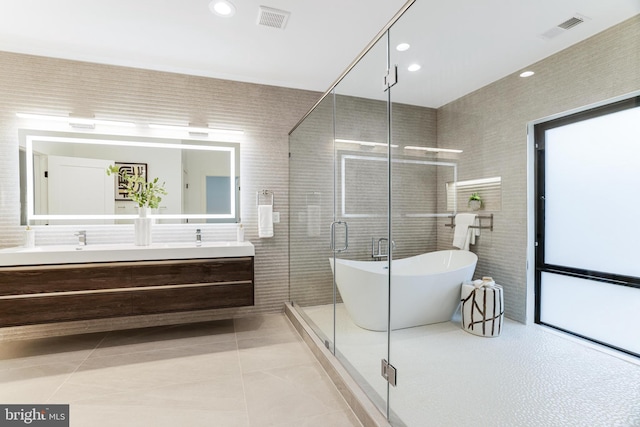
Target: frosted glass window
{"type": "Point", "coordinates": [592, 194]}
{"type": "Point", "coordinates": [602, 311]}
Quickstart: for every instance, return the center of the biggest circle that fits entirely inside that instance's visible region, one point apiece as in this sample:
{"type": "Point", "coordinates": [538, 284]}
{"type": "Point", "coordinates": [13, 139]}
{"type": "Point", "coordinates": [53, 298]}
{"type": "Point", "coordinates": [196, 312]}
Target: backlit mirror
{"type": "Point", "coordinates": [64, 179]}
{"type": "Point", "coordinates": [415, 195]}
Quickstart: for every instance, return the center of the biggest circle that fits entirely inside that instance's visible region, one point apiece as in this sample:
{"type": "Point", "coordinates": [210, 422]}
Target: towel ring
{"type": "Point", "coordinates": [268, 197]}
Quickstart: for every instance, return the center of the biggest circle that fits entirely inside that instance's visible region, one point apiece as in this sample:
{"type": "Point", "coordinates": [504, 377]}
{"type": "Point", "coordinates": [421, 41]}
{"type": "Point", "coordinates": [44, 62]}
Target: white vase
{"type": "Point", "coordinates": [142, 227]}
{"type": "Point", "coordinates": [475, 204]}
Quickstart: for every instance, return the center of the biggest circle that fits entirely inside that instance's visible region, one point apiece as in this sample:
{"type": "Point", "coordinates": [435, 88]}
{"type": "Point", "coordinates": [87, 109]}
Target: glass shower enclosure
{"type": "Point", "coordinates": [367, 186]}
{"type": "Point", "coordinates": [377, 176]}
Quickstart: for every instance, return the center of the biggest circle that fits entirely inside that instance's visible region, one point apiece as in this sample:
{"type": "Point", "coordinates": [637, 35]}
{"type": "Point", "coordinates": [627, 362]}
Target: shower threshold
{"type": "Point", "coordinates": [364, 409]}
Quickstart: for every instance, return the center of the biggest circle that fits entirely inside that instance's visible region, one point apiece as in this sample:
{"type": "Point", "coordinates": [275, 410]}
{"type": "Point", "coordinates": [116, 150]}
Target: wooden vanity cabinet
{"type": "Point", "coordinates": [58, 293]}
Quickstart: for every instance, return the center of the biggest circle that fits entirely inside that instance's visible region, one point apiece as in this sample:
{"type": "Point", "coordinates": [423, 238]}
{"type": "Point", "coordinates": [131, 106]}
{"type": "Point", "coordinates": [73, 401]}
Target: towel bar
{"type": "Point", "coordinates": [452, 224]}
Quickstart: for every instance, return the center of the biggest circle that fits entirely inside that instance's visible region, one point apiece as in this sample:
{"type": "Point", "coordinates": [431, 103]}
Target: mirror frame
{"type": "Point", "coordinates": [28, 137]}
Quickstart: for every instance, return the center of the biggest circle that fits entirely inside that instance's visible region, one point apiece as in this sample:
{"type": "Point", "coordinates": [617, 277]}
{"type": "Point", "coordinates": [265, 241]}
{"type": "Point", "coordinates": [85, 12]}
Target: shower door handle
{"type": "Point", "coordinates": [332, 243]}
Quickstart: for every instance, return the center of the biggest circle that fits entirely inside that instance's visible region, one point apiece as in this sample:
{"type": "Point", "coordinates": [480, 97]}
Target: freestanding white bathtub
{"type": "Point", "coordinates": [424, 288]}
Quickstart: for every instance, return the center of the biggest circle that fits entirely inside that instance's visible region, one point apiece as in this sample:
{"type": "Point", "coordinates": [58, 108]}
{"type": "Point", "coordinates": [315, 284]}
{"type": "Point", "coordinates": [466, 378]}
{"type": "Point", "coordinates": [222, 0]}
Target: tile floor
{"type": "Point", "coordinates": [527, 377]}
{"type": "Point", "coordinates": [245, 372]}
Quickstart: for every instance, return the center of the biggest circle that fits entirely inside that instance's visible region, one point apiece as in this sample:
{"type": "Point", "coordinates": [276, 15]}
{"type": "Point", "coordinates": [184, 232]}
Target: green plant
{"type": "Point", "coordinates": [144, 193]}
{"type": "Point", "coordinates": [475, 196]}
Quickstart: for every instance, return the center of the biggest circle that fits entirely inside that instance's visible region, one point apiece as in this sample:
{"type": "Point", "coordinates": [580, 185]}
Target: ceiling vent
{"type": "Point", "coordinates": [562, 27]}
{"type": "Point", "coordinates": [274, 18]}
{"type": "Point", "coordinates": [571, 22]}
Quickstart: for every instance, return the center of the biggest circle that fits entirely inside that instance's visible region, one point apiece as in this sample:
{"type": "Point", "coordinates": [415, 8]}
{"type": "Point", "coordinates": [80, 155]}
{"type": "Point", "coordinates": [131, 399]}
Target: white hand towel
{"type": "Point", "coordinates": [474, 232]}
{"type": "Point", "coordinates": [265, 221]}
{"type": "Point", "coordinates": [461, 234]}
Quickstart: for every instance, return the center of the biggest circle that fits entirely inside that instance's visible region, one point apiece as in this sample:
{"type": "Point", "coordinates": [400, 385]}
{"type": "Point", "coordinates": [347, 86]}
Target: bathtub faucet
{"type": "Point", "coordinates": [379, 255]}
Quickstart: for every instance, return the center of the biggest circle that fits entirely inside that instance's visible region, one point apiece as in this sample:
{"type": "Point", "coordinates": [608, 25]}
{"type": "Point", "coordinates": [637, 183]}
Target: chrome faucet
{"type": "Point", "coordinates": [198, 237]}
{"type": "Point", "coordinates": [82, 237]}
{"type": "Point", "coordinates": [379, 255]}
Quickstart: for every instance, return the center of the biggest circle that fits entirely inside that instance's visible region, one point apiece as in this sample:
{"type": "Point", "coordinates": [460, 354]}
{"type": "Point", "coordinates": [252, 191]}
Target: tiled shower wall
{"type": "Point", "coordinates": [490, 125]}
{"type": "Point", "coordinates": [266, 114]}
{"type": "Point", "coordinates": [312, 188]}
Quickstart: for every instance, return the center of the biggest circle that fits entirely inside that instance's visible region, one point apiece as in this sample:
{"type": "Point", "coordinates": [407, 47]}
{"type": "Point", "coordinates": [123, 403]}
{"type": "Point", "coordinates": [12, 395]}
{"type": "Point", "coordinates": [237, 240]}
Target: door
{"type": "Point", "coordinates": [587, 270]}
{"type": "Point", "coordinates": [80, 186]}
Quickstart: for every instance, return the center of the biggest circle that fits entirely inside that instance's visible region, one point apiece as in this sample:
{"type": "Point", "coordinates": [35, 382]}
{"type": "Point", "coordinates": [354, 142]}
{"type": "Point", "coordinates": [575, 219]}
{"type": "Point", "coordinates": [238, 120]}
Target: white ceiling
{"type": "Point", "coordinates": [462, 45]}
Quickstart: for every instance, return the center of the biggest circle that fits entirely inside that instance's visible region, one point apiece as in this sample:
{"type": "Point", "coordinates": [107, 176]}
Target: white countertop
{"type": "Point", "coordinates": [71, 254]}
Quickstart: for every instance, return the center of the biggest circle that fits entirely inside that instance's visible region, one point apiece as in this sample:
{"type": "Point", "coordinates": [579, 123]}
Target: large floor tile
{"type": "Point", "coordinates": [73, 393]}
{"type": "Point", "coordinates": [154, 368]}
{"type": "Point", "coordinates": [220, 394]}
{"type": "Point", "coordinates": [262, 326]}
{"type": "Point", "coordinates": [108, 415]}
{"type": "Point", "coordinates": [333, 419]}
{"type": "Point", "coordinates": [32, 388]}
{"type": "Point", "coordinates": [246, 372]}
{"type": "Point", "coordinates": [303, 392]}
{"type": "Point", "coordinates": [134, 340]}
{"type": "Point", "coordinates": [66, 349]}
{"type": "Point", "coordinates": [274, 355]}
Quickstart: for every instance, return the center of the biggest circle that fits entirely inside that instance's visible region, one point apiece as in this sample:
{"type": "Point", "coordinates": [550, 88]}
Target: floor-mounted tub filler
{"type": "Point", "coordinates": [425, 288]}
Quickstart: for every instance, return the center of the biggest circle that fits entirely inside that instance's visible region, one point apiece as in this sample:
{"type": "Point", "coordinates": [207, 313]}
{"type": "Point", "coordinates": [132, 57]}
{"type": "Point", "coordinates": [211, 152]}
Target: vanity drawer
{"type": "Point", "coordinates": [35, 279]}
{"type": "Point", "coordinates": [79, 277]}
{"type": "Point", "coordinates": [62, 308]}
{"type": "Point", "coordinates": [210, 296]}
{"type": "Point", "coordinates": [193, 271]}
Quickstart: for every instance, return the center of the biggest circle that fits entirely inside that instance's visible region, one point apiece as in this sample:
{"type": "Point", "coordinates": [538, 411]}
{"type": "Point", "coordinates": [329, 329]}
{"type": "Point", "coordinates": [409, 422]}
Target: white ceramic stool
{"type": "Point", "coordinates": [482, 308]}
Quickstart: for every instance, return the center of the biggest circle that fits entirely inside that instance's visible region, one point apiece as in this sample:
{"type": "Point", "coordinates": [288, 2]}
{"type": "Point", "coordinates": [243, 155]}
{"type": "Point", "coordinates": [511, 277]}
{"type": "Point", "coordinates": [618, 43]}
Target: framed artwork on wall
{"type": "Point", "coordinates": [132, 169]}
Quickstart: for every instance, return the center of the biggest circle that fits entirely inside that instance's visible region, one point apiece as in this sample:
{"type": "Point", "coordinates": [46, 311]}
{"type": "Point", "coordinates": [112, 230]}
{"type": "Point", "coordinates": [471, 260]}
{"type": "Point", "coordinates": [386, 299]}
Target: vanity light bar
{"type": "Point", "coordinates": [482, 181]}
{"type": "Point", "coordinates": [366, 143]}
{"type": "Point", "coordinates": [125, 143]}
{"type": "Point", "coordinates": [434, 150]}
{"type": "Point", "coordinates": [85, 122]}
{"type": "Point", "coordinates": [195, 129]}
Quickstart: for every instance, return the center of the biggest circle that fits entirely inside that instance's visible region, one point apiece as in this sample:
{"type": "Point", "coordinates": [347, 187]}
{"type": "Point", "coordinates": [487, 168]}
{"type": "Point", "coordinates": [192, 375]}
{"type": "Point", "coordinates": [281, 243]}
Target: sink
{"type": "Point", "coordinates": [64, 254]}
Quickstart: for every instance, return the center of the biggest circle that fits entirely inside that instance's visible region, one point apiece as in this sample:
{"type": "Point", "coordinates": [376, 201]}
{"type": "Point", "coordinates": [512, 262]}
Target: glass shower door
{"type": "Point", "coordinates": [420, 310]}
{"type": "Point", "coordinates": [362, 211]}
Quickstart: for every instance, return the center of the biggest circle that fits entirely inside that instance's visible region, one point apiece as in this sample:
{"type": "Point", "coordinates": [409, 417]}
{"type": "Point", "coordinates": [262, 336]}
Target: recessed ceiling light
{"type": "Point", "coordinates": [527, 74]}
{"type": "Point", "coordinates": [402, 47]}
{"type": "Point", "coordinates": [414, 67]}
{"type": "Point", "coordinates": [222, 8]}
